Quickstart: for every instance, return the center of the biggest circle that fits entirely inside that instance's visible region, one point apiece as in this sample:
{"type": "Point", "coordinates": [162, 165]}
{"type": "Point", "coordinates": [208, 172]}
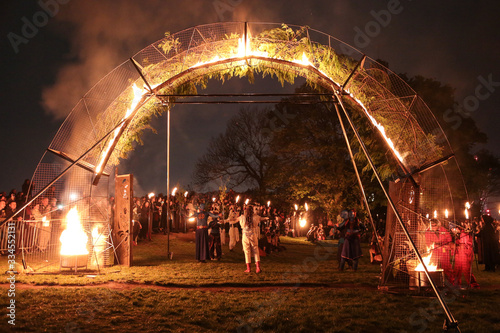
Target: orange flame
{"type": "Point", "coordinates": [427, 261]}
{"type": "Point", "coordinates": [73, 238]}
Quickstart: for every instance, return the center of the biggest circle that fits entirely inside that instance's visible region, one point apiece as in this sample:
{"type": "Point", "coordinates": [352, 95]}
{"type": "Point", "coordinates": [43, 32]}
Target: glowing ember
{"type": "Point", "coordinates": [73, 238]}
{"type": "Point", "coordinates": [427, 261]}
{"type": "Point", "coordinates": [137, 97]}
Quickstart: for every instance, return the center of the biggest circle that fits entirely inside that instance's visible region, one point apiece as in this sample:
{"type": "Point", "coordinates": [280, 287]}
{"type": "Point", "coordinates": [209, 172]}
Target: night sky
{"type": "Point", "coordinates": [47, 70]}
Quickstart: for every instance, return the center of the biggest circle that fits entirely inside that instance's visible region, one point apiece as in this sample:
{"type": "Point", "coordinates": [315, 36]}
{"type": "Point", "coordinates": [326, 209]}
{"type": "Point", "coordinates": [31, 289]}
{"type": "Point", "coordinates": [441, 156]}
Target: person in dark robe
{"type": "Point", "coordinates": [202, 248]}
{"type": "Point", "coordinates": [341, 227]}
{"type": "Point", "coordinates": [214, 243]}
{"type": "Point", "coordinates": [489, 239]}
{"type": "Point", "coordinates": [351, 250]}
{"type": "Point", "coordinates": [144, 220]}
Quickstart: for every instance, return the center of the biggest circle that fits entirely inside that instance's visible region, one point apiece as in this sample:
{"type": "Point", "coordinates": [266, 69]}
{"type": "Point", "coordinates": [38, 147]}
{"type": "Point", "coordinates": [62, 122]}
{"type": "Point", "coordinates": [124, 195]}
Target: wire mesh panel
{"type": "Point", "coordinates": [46, 219]}
{"type": "Point", "coordinates": [443, 239]}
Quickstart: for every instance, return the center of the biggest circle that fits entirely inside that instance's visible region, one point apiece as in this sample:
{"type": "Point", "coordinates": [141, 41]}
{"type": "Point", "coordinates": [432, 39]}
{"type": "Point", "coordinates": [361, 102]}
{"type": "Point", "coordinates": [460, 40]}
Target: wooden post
{"type": "Point", "coordinates": [122, 224]}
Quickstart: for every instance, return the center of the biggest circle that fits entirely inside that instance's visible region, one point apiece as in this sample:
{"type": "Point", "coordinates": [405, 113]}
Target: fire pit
{"type": "Point", "coordinates": [418, 279]}
{"type": "Point", "coordinates": [74, 261]}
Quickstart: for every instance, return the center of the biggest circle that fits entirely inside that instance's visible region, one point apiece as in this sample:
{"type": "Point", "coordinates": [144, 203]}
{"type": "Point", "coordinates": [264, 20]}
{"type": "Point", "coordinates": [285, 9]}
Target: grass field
{"type": "Point", "coordinates": [300, 290]}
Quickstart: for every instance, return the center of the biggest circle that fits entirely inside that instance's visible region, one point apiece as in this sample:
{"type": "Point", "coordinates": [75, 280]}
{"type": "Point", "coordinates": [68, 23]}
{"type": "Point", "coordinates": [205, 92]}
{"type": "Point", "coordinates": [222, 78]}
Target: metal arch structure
{"type": "Point", "coordinates": [99, 128]}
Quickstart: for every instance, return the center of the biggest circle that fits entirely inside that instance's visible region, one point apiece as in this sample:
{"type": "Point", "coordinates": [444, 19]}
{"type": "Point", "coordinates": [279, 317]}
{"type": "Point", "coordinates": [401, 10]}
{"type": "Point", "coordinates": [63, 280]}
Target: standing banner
{"type": "Point", "coordinates": [122, 224]}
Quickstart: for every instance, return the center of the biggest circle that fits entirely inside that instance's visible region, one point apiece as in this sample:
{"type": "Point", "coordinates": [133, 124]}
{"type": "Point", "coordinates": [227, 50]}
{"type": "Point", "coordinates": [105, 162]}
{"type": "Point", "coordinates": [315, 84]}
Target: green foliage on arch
{"type": "Point", "coordinates": [186, 71]}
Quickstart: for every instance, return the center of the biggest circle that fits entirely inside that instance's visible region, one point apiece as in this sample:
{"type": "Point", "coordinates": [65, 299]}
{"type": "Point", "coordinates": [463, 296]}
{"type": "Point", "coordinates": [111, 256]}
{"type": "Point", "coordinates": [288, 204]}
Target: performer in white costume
{"type": "Point", "coordinates": [250, 240]}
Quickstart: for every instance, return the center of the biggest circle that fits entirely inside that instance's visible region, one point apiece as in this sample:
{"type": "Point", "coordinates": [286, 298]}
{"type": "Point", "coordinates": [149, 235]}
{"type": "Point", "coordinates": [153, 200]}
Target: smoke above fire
{"type": "Point", "coordinates": [103, 34]}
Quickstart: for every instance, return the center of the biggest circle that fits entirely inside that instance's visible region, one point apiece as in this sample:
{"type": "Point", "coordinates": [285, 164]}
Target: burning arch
{"type": "Point", "coordinates": [109, 118]}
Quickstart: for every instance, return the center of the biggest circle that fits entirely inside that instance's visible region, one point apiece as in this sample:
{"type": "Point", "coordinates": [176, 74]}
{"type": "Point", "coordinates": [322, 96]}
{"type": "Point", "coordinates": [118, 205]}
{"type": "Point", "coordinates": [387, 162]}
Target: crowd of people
{"type": "Point", "coordinates": [216, 219]}
{"type": "Point", "coordinates": [213, 219]}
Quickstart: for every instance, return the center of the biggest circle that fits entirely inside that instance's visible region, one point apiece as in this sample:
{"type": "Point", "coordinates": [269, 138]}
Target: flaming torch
{"type": "Point", "coordinates": [302, 222]}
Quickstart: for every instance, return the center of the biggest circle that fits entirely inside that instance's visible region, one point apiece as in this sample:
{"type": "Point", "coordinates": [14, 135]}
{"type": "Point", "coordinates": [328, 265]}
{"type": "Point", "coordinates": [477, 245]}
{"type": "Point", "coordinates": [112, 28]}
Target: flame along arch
{"type": "Point", "coordinates": [108, 119]}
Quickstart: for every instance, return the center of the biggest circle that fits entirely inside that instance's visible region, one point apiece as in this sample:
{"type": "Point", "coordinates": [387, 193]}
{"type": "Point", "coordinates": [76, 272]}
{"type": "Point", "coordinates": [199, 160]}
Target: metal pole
{"type": "Point", "coordinates": [451, 320]}
{"type": "Point", "coordinates": [365, 200]}
{"type": "Point", "coordinates": [168, 182]}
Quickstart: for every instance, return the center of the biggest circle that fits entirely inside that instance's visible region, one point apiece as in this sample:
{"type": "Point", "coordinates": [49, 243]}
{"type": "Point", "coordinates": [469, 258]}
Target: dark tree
{"type": "Point", "coordinates": [314, 163]}
{"type": "Point", "coordinates": [240, 155]}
